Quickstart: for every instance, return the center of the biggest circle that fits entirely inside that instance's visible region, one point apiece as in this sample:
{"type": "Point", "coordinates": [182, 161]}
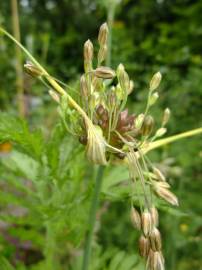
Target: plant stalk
{"type": "Point", "coordinates": [171, 139]}
{"type": "Point", "coordinates": [92, 218]}
{"type": "Point", "coordinates": [18, 65]}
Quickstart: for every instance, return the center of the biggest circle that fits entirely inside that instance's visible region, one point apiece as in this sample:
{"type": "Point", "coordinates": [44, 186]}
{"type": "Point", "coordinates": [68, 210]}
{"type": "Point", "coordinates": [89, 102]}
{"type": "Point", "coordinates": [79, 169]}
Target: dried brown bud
{"type": "Point", "coordinates": [135, 218]}
{"type": "Point", "coordinates": [147, 223]}
{"type": "Point", "coordinates": [155, 239]}
{"type": "Point", "coordinates": [155, 81]}
{"type": "Point", "coordinates": [104, 73]}
{"type": "Point", "coordinates": [159, 175]}
{"type": "Point", "coordinates": [147, 125]}
{"type": "Point", "coordinates": [83, 86]}
{"type": "Point", "coordinates": [32, 70]}
{"type": "Point", "coordinates": [155, 216]}
{"type": "Point", "coordinates": [103, 34]}
{"type": "Point", "coordinates": [155, 261]}
{"type": "Point", "coordinates": [144, 246]}
{"type": "Point", "coordinates": [88, 51]}
{"type": "Point", "coordinates": [166, 194]}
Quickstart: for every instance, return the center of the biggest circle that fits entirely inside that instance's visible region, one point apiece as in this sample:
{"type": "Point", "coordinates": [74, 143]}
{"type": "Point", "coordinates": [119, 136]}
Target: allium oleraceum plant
{"type": "Point", "coordinates": [101, 122]}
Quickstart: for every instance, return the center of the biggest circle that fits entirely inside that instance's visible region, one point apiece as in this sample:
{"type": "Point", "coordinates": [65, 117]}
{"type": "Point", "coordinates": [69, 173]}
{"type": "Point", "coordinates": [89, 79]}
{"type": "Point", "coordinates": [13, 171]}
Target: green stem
{"type": "Point", "coordinates": [92, 218]}
{"type": "Point", "coordinates": [18, 65]}
{"type": "Point", "coordinates": [50, 248]}
{"type": "Point", "coordinates": [110, 20]}
{"type": "Point", "coordinates": [171, 139]}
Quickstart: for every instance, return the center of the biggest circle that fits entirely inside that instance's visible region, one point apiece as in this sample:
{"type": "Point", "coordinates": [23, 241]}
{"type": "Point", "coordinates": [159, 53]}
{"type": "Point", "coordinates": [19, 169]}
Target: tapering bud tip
{"type": "Point", "coordinates": [103, 34]}
{"type": "Point", "coordinates": [88, 51]}
{"type": "Point", "coordinates": [155, 81]}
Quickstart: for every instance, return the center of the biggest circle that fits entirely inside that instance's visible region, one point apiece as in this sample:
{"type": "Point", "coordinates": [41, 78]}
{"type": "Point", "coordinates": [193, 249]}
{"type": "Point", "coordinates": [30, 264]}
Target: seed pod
{"type": "Point", "coordinates": [33, 70]}
{"type": "Point", "coordinates": [155, 261]}
{"type": "Point", "coordinates": [147, 125]}
{"type": "Point", "coordinates": [102, 53]}
{"type": "Point", "coordinates": [159, 175]}
{"type": "Point", "coordinates": [104, 73]}
{"type": "Point", "coordinates": [103, 34]}
{"type": "Point", "coordinates": [155, 81]}
{"type": "Point", "coordinates": [88, 51]}
{"type": "Point", "coordinates": [83, 87]}
{"type": "Point", "coordinates": [135, 218]}
{"type": "Point", "coordinates": [144, 246]}
{"type": "Point", "coordinates": [96, 145]}
{"type": "Point", "coordinates": [166, 116]}
{"type": "Point", "coordinates": [155, 239]}
{"type": "Point", "coordinates": [166, 194]}
{"type": "Point", "coordinates": [155, 216]}
{"type": "Point", "coordinates": [147, 222]}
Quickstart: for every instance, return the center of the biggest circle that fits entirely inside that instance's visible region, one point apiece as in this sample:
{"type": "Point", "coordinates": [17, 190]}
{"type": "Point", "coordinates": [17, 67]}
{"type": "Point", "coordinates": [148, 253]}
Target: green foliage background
{"type": "Point", "coordinates": [147, 36]}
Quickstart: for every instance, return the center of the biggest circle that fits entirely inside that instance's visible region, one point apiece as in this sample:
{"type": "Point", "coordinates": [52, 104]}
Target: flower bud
{"type": "Point", "coordinates": [166, 194]}
{"type": "Point", "coordinates": [83, 87]}
{"type": "Point", "coordinates": [153, 99]}
{"type": "Point", "coordinates": [32, 70]}
{"type": "Point", "coordinates": [103, 34]}
{"type": "Point", "coordinates": [160, 132]}
{"type": "Point", "coordinates": [139, 120]}
{"type": "Point", "coordinates": [123, 78]}
{"type": "Point", "coordinates": [96, 145]}
{"type": "Point", "coordinates": [104, 73]}
{"type": "Point", "coordinates": [147, 125]}
{"type": "Point", "coordinates": [155, 81]}
{"type": "Point", "coordinates": [131, 87]}
{"type": "Point", "coordinates": [147, 222]}
{"type": "Point", "coordinates": [144, 246]}
{"type": "Point", "coordinates": [88, 51]}
{"type": "Point", "coordinates": [155, 239]}
{"type": "Point", "coordinates": [166, 116]}
{"type": "Point", "coordinates": [155, 216]}
{"type": "Point", "coordinates": [135, 218]}
{"type": "Point", "coordinates": [155, 261]}
{"type": "Point", "coordinates": [159, 175]}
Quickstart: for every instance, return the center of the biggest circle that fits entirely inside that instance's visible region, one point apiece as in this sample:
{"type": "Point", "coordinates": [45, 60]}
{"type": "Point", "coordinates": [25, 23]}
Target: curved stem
{"type": "Point", "coordinates": [92, 218]}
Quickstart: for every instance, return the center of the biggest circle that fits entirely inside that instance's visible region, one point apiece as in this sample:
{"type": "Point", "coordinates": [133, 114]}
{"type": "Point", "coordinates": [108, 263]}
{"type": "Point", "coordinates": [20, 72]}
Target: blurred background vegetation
{"type": "Point", "coordinates": [147, 36]}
